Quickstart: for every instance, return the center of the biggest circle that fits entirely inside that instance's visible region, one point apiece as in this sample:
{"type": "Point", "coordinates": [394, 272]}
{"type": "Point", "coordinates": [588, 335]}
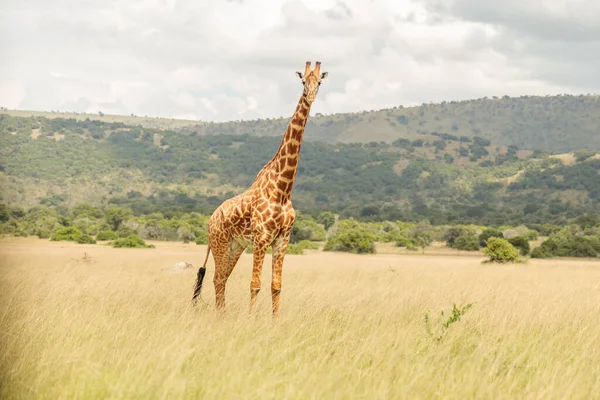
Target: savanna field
{"type": "Point", "coordinates": [90, 321]}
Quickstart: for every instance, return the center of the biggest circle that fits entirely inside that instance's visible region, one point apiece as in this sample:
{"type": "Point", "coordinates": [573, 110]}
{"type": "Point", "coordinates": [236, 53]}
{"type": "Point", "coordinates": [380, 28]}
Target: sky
{"type": "Point", "coordinates": [236, 60]}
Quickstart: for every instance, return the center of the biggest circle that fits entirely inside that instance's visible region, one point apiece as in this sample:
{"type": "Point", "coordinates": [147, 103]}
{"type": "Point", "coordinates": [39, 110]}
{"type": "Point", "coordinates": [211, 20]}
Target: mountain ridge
{"type": "Point", "coordinates": [556, 124]}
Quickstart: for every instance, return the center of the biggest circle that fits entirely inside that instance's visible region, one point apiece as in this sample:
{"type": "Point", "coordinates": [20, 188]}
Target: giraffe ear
{"type": "Point", "coordinates": [299, 74]}
{"type": "Point", "coordinates": [324, 75]}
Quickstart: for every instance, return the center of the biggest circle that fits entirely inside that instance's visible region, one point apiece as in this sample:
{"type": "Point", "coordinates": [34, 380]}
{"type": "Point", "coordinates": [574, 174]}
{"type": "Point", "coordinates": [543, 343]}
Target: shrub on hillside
{"type": "Point", "coordinates": [107, 235]}
{"type": "Point", "coordinates": [469, 243]}
{"type": "Point", "coordinates": [131, 241]}
{"type": "Point", "coordinates": [500, 251]}
{"type": "Point", "coordinates": [520, 243]}
{"type": "Point", "coordinates": [488, 233]}
{"type": "Point", "coordinates": [355, 241]}
{"type": "Point", "coordinates": [71, 234]}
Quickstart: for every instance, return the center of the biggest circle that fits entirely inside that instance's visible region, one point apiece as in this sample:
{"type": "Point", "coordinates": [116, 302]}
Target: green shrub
{"type": "Point", "coordinates": [520, 243]}
{"type": "Point", "coordinates": [409, 243]}
{"type": "Point", "coordinates": [307, 245]}
{"type": "Point", "coordinates": [85, 239]}
{"type": "Point", "coordinates": [488, 233]}
{"type": "Point", "coordinates": [530, 235]}
{"type": "Point", "coordinates": [453, 233]}
{"type": "Point", "coordinates": [202, 236]}
{"type": "Point", "coordinates": [327, 219]}
{"type": "Point", "coordinates": [71, 234]}
{"type": "Point", "coordinates": [294, 249]}
{"type": "Point", "coordinates": [469, 243]}
{"type": "Point", "coordinates": [131, 241]}
{"type": "Point", "coordinates": [107, 235]}
{"type": "Point", "coordinates": [500, 251]}
{"type": "Point", "coordinates": [355, 241]}
{"type": "Point", "coordinates": [541, 252]}
{"type": "Point", "coordinates": [124, 232]}
{"type": "Point", "coordinates": [565, 244]}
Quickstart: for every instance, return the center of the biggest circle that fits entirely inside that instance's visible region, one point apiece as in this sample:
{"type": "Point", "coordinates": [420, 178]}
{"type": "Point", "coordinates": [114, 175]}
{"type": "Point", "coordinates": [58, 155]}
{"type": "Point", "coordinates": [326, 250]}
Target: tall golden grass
{"type": "Point", "coordinates": [119, 325]}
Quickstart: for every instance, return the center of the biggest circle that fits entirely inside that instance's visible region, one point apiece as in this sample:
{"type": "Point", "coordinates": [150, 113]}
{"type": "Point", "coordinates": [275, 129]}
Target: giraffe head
{"type": "Point", "coordinates": [312, 80]}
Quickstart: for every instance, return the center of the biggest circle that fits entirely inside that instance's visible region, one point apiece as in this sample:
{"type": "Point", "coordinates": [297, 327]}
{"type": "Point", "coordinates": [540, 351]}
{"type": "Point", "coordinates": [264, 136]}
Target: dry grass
{"type": "Point", "coordinates": [120, 326]}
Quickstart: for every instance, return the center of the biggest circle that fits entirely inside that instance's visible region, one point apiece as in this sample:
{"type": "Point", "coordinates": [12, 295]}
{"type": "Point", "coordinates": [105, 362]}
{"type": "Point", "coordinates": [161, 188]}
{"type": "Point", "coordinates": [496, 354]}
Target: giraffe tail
{"type": "Point", "coordinates": [201, 273]}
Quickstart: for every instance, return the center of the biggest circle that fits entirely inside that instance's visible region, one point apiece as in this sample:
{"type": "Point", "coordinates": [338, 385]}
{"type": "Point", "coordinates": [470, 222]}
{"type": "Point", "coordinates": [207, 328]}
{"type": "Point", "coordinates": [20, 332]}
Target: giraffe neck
{"type": "Point", "coordinates": [285, 162]}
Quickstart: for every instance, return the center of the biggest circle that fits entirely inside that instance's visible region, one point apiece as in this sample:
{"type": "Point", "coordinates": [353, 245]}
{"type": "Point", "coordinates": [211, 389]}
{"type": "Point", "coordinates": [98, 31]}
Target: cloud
{"type": "Point", "coordinates": [228, 60]}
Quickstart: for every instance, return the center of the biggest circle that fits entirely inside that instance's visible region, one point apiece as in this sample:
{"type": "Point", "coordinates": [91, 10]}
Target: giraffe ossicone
{"type": "Point", "coordinates": [263, 215]}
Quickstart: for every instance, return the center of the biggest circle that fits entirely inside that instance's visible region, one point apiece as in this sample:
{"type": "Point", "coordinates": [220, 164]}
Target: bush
{"type": "Point", "coordinates": [327, 219]}
{"type": "Point", "coordinates": [308, 245]}
{"type": "Point", "coordinates": [500, 251]}
{"type": "Point", "coordinates": [131, 241]}
{"type": "Point", "coordinates": [107, 235]}
{"type": "Point", "coordinates": [566, 244]}
{"type": "Point", "coordinates": [520, 243]}
{"type": "Point", "coordinates": [409, 243]}
{"type": "Point", "coordinates": [541, 252]}
{"type": "Point", "coordinates": [355, 241]}
{"type": "Point", "coordinates": [453, 233]}
{"type": "Point", "coordinates": [469, 243]}
{"type": "Point", "coordinates": [124, 232]}
{"type": "Point", "coordinates": [72, 234]}
{"type": "Point", "coordinates": [488, 233]}
{"type": "Point", "coordinates": [202, 236]}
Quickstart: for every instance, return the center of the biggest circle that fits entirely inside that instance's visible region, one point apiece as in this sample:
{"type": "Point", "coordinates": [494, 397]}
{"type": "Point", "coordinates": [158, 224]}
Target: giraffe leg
{"type": "Point", "coordinates": [279, 247]}
{"type": "Point", "coordinates": [221, 257]}
{"type": "Point", "coordinates": [260, 249]}
{"type": "Point", "coordinates": [229, 259]}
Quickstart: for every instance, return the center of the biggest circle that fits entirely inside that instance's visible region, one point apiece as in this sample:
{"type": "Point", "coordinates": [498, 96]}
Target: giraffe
{"type": "Point", "coordinates": [263, 215]}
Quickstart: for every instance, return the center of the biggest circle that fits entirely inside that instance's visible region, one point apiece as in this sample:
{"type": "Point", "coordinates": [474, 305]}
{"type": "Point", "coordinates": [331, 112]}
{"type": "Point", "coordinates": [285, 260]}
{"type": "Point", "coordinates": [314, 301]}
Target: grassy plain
{"type": "Point", "coordinates": [118, 324]}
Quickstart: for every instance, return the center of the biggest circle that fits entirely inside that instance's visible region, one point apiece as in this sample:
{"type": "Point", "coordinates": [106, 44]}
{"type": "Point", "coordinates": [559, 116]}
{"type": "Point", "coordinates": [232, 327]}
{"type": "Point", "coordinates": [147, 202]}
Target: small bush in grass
{"type": "Point", "coordinates": [469, 243]}
{"type": "Point", "coordinates": [107, 235]}
{"type": "Point", "coordinates": [72, 234]}
{"type": "Point", "coordinates": [500, 251]}
{"type": "Point", "coordinates": [354, 241]}
{"type": "Point", "coordinates": [521, 243]}
{"type": "Point", "coordinates": [131, 241]}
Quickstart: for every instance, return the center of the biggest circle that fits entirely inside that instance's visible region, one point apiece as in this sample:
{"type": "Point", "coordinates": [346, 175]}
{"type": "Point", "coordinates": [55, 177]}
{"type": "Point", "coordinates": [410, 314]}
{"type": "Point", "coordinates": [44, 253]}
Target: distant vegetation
{"type": "Point", "coordinates": [102, 179]}
{"type": "Point", "coordinates": [561, 123]}
{"type": "Point", "coordinates": [439, 177]}
{"type": "Point", "coordinates": [118, 226]}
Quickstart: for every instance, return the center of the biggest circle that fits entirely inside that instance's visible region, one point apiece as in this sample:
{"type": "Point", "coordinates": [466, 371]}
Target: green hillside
{"type": "Point", "coordinates": [440, 177]}
{"type": "Point", "coordinates": [553, 123]}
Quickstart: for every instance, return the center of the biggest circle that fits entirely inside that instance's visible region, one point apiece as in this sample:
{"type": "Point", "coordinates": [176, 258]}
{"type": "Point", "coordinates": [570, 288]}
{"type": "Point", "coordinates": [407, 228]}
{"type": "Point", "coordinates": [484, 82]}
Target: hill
{"type": "Point", "coordinates": [440, 177]}
{"type": "Point", "coordinates": [555, 124]}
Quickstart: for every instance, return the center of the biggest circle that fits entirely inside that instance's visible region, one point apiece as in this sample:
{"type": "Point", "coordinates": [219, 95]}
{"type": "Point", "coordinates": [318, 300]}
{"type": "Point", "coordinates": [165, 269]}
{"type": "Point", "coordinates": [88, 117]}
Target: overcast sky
{"type": "Point", "coordinates": [229, 60]}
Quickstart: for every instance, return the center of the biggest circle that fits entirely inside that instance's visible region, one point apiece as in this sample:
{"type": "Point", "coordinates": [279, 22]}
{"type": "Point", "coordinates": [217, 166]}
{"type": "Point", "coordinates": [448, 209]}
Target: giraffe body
{"type": "Point", "coordinates": [263, 215]}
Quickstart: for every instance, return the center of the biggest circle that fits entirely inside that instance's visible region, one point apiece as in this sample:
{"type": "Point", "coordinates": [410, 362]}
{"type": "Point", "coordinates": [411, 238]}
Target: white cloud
{"type": "Point", "coordinates": [226, 60]}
